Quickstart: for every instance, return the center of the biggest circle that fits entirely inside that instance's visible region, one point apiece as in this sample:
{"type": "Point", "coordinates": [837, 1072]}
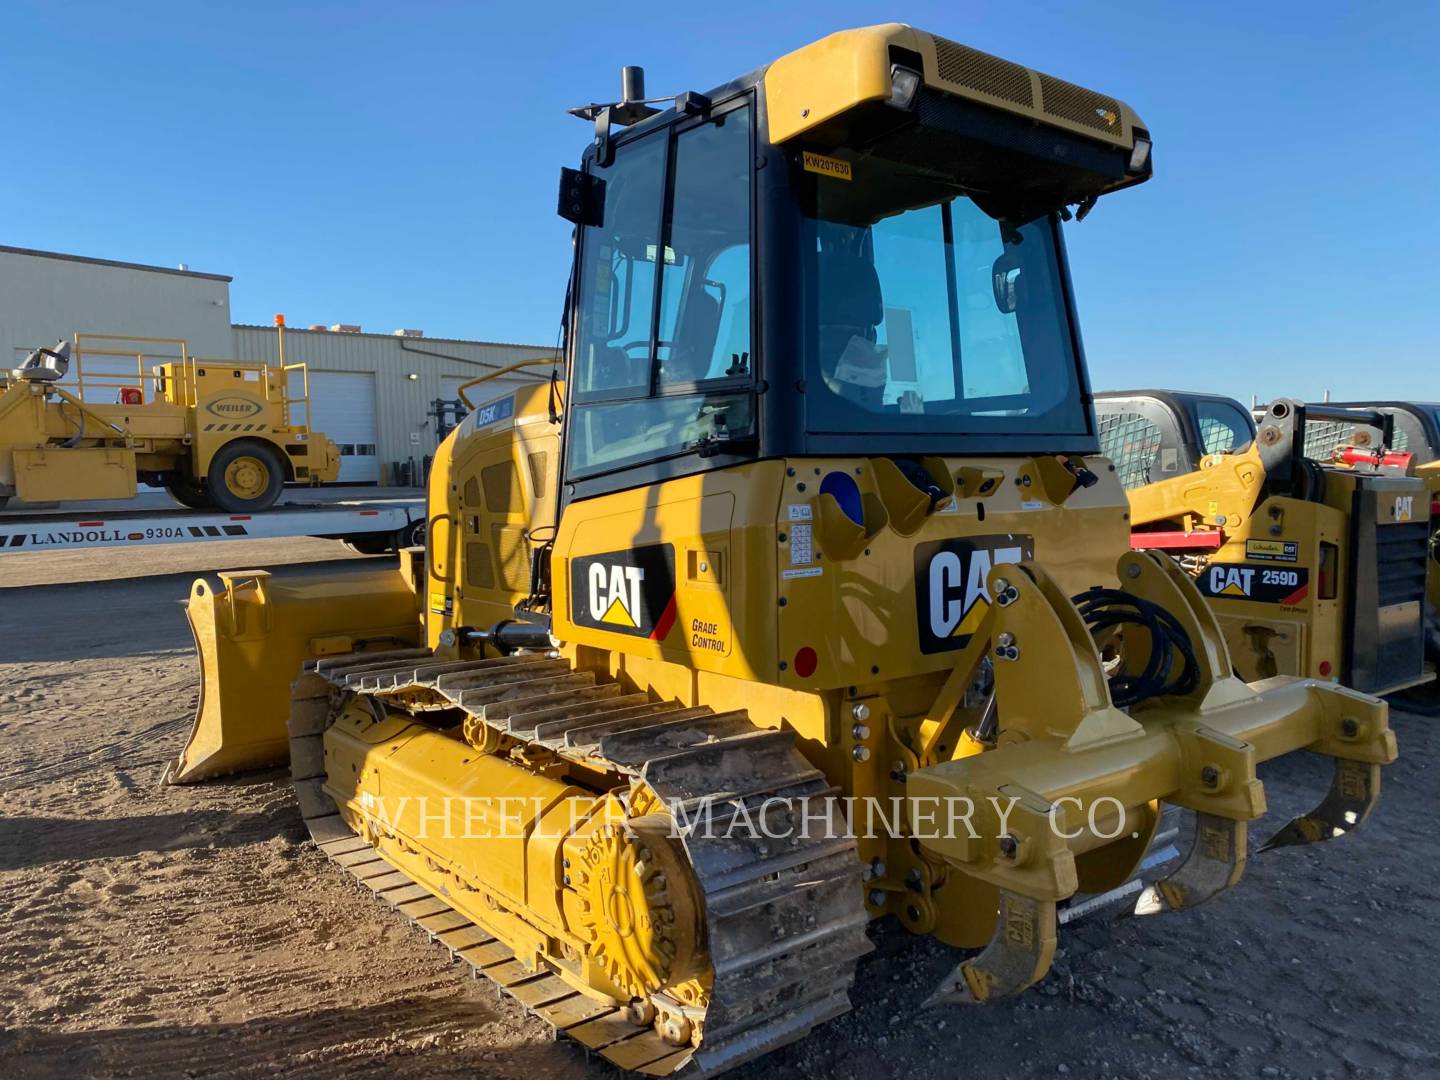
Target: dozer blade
{"type": "Point", "coordinates": [1064, 752]}
{"type": "Point", "coordinates": [253, 635]}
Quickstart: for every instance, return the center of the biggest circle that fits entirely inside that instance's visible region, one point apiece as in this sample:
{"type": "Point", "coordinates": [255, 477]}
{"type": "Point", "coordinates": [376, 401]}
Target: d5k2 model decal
{"type": "Point", "coordinates": [951, 596]}
{"type": "Point", "coordinates": [627, 592]}
{"type": "Point", "coordinates": [1263, 584]}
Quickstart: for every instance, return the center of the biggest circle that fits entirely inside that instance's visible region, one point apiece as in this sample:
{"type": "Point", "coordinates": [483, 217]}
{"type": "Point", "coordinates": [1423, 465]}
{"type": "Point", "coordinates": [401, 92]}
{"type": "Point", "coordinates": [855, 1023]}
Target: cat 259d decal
{"type": "Point", "coordinates": [1263, 584]}
{"type": "Point", "coordinates": [951, 595]}
{"type": "Point", "coordinates": [625, 592]}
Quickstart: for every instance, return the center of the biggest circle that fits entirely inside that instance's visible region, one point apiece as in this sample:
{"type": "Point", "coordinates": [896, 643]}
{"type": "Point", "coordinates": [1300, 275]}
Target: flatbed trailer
{"type": "Point", "coordinates": [369, 528]}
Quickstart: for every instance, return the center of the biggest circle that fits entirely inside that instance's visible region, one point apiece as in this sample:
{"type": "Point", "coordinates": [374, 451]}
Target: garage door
{"type": "Point", "coordinates": [342, 405]}
{"type": "Point", "coordinates": [450, 386]}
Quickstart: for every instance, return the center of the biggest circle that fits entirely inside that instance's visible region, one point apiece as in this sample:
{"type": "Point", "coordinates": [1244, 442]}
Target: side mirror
{"type": "Point", "coordinates": [1005, 281]}
{"type": "Point", "coordinates": [582, 197]}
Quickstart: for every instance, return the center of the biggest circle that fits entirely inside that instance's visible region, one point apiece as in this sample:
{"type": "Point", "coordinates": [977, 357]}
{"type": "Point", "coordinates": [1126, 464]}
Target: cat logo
{"type": "Point", "coordinates": [951, 592]}
{"type": "Point", "coordinates": [1404, 507]}
{"type": "Point", "coordinates": [625, 592]}
{"type": "Point", "coordinates": [614, 595]}
{"type": "Point", "coordinates": [1231, 580]}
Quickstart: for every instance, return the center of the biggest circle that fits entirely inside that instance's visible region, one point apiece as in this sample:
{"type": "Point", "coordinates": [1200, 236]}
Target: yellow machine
{"type": "Point", "coordinates": [1315, 565]}
{"type": "Point", "coordinates": [1416, 433]}
{"type": "Point", "coordinates": [215, 433]}
{"type": "Point", "coordinates": [800, 596]}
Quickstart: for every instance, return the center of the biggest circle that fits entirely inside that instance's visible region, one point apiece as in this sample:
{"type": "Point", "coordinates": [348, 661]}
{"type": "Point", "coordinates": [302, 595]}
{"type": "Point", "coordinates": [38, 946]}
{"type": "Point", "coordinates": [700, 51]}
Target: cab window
{"type": "Point", "coordinates": [1224, 428]}
{"type": "Point", "coordinates": [1132, 442]}
{"type": "Point", "coordinates": [663, 357]}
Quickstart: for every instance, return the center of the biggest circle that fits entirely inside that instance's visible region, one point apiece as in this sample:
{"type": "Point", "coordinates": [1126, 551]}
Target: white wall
{"type": "Point", "coordinates": [44, 299]}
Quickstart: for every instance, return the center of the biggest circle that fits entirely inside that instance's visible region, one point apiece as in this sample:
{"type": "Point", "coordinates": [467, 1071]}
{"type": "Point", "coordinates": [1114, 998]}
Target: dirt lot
{"type": "Point", "coordinates": [150, 931]}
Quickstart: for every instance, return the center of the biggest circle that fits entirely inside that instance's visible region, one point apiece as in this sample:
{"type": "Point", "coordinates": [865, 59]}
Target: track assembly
{"type": "Point", "coordinates": [783, 914]}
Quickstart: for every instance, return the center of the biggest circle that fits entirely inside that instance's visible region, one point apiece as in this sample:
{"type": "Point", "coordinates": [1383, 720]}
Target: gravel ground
{"type": "Point", "coordinates": [150, 931]}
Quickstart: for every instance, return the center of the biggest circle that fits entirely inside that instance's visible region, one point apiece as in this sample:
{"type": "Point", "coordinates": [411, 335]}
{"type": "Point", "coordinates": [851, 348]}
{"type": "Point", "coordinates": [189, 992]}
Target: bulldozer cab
{"type": "Point", "coordinates": [753, 282]}
{"type": "Point", "coordinates": [1151, 435]}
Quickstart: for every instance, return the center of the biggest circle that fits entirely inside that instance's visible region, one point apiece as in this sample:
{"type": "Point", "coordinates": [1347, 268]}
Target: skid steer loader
{"type": "Point", "coordinates": [799, 597]}
{"type": "Point", "coordinates": [1308, 534]}
{"type": "Point", "coordinates": [1416, 432]}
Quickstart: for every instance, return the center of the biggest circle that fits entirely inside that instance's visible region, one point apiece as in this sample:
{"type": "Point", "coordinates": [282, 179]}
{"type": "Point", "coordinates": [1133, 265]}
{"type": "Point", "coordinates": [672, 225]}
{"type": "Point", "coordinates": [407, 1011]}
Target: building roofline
{"type": "Point", "coordinates": [419, 341]}
{"type": "Point", "coordinates": [113, 262]}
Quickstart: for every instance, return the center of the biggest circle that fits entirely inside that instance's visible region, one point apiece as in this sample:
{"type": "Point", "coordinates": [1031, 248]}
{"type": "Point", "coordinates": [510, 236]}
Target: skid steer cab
{"type": "Point", "coordinates": [797, 594]}
{"type": "Point", "coordinates": [1310, 533]}
{"type": "Point", "coordinates": [94, 417]}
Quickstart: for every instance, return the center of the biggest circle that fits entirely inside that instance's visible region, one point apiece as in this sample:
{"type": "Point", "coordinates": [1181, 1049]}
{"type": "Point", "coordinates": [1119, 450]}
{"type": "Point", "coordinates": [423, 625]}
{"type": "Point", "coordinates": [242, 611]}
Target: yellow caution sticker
{"type": "Point", "coordinates": [827, 166]}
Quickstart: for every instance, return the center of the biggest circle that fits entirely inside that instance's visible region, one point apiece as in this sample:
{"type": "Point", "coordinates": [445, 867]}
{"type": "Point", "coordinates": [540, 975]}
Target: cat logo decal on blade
{"type": "Point", "coordinates": [627, 592]}
{"type": "Point", "coordinates": [952, 597]}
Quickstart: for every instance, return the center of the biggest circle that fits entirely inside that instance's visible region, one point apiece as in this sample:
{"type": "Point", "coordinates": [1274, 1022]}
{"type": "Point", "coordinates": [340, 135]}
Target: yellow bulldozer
{"type": "Point", "coordinates": [799, 596]}
{"type": "Point", "coordinates": [215, 433]}
{"type": "Point", "coordinates": [1309, 533]}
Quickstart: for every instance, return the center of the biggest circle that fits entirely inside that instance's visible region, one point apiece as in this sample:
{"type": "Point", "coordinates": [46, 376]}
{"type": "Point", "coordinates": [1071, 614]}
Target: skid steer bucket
{"type": "Point", "coordinates": [1065, 752]}
{"type": "Point", "coordinates": [254, 633]}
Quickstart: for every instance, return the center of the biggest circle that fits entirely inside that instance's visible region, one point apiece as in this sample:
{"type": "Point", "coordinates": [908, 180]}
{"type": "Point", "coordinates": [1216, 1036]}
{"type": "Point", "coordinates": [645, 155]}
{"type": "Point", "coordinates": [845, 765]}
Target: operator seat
{"type": "Point", "coordinates": [851, 307]}
{"type": "Point", "coordinates": [694, 345]}
{"type": "Point", "coordinates": [44, 365]}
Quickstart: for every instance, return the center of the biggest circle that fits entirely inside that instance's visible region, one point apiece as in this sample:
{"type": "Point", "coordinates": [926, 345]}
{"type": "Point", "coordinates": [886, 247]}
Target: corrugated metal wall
{"type": "Point", "coordinates": [402, 403]}
{"type": "Point", "coordinates": [46, 297]}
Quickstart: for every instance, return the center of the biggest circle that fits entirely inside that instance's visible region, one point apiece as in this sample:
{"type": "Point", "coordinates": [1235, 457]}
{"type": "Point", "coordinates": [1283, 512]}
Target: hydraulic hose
{"type": "Point", "coordinates": [1110, 609]}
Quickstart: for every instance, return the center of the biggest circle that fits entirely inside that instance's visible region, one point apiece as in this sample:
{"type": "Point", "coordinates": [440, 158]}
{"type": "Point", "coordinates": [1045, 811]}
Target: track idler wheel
{"type": "Point", "coordinates": [638, 908]}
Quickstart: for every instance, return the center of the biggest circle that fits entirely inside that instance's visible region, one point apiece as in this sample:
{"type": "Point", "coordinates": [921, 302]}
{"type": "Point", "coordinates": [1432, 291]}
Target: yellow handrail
{"type": "Point", "coordinates": [120, 381]}
{"type": "Point", "coordinates": [533, 362]}
{"type": "Point", "coordinates": [188, 363]}
{"type": "Point", "coordinates": [287, 400]}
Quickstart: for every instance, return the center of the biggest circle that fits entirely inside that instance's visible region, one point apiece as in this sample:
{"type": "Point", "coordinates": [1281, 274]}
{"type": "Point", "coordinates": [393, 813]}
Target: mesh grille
{"type": "Point", "coordinates": [1400, 557]}
{"type": "Point", "coordinates": [472, 492]}
{"type": "Point", "coordinates": [1218, 437]}
{"type": "Point", "coordinates": [1132, 444]}
{"type": "Point", "coordinates": [1080, 106]}
{"type": "Point", "coordinates": [512, 556]}
{"type": "Point", "coordinates": [502, 488]}
{"type": "Point", "coordinates": [478, 571]}
{"type": "Point", "coordinates": [538, 461]}
{"type": "Point", "coordinates": [1324, 437]}
{"type": "Point", "coordinates": [980, 71]}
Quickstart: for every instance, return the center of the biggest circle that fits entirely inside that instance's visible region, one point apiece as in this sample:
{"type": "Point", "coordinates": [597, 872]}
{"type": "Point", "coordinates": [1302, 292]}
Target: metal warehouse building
{"type": "Point", "coordinates": [371, 393]}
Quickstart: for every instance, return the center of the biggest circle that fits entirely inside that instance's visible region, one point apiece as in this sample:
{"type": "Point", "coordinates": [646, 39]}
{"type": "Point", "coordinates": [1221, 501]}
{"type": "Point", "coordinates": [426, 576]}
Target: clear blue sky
{"type": "Point", "coordinates": [395, 164]}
